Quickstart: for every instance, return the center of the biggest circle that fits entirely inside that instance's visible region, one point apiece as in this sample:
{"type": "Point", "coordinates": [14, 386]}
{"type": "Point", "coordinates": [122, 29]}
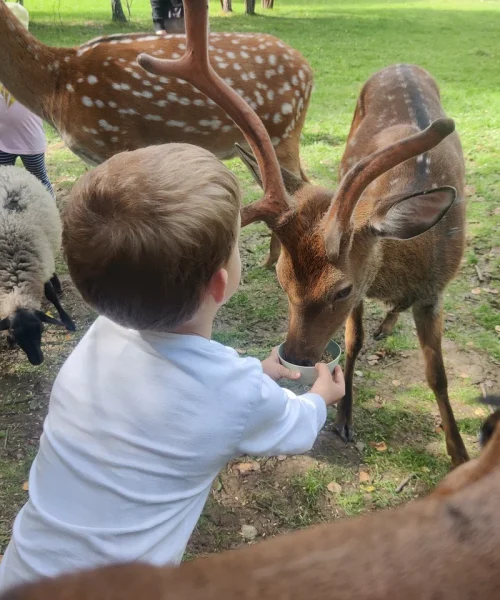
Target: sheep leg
{"type": "Point", "coordinates": [56, 284]}
{"type": "Point", "coordinates": [51, 296]}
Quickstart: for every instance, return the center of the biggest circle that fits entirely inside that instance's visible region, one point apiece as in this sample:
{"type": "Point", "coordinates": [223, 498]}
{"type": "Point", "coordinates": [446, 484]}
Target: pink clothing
{"type": "Point", "coordinates": [21, 132]}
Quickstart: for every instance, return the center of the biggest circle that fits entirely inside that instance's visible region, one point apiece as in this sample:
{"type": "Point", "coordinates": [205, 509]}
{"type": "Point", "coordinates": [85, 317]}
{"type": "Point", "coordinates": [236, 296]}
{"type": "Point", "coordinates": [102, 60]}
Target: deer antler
{"type": "Point", "coordinates": [195, 68]}
{"type": "Point", "coordinates": [354, 183]}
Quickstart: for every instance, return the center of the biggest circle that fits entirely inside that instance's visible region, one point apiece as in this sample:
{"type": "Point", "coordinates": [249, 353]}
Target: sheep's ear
{"type": "Point", "coordinates": [46, 319]}
{"type": "Point", "coordinates": [4, 324]}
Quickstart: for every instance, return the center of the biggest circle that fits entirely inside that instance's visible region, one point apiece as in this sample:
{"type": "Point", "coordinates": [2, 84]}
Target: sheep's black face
{"type": "Point", "coordinates": [26, 329]}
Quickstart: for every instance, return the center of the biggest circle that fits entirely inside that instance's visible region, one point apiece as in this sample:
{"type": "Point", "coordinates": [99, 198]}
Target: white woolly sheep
{"type": "Point", "coordinates": [30, 240]}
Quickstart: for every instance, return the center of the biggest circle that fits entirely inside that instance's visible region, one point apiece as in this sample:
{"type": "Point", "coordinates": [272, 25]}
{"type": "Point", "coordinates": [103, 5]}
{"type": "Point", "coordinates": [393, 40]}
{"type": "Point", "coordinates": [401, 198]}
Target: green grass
{"type": "Point", "coordinates": [458, 41]}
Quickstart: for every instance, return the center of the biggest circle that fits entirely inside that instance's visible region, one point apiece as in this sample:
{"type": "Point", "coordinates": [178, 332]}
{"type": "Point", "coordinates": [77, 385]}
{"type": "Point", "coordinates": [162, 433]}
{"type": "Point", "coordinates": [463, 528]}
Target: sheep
{"type": "Point", "coordinates": [30, 240]}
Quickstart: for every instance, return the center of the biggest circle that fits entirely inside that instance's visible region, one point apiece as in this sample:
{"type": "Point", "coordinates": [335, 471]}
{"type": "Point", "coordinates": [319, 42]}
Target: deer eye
{"type": "Point", "coordinates": [343, 293]}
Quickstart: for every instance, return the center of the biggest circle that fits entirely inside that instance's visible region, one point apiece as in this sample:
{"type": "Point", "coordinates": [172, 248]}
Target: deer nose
{"type": "Point", "coordinates": [293, 358]}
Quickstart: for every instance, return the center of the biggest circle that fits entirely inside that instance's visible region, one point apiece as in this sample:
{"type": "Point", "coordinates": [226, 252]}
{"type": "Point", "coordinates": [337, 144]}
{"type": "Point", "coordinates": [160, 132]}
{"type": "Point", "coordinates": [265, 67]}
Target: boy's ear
{"type": "Point", "coordinates": [217, 285]}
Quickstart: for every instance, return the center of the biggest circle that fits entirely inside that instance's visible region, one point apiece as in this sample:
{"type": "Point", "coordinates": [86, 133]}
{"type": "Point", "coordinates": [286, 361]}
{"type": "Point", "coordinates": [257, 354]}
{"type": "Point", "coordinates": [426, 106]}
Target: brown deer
{"type": "Point", "coordinates": [101, 102]}
{"type": "Point", "coordinates": [443, 546]}
{"type": "Point", "coordinates": [393, 230]}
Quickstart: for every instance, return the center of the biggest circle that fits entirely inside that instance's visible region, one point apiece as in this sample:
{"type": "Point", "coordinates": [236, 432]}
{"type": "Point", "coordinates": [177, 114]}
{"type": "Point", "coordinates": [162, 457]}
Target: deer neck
{"type": "Point", "coordinates": [28, 68]}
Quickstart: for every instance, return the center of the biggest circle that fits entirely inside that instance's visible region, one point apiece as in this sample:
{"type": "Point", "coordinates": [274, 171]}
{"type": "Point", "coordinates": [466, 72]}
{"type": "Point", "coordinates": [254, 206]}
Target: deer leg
{"type": "Point", "coordinates": [429, 322]}
{"type": "Point", "coordinates": [387, 325]}
{"type": "Point", "coordinates": [274, 252]}
{"type": "Point", "coordinates": [354, 337]}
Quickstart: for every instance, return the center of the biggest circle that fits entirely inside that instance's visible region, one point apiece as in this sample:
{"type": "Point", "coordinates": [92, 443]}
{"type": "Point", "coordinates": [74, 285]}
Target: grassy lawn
{"type": "Point", "coordinates": [397, 433]}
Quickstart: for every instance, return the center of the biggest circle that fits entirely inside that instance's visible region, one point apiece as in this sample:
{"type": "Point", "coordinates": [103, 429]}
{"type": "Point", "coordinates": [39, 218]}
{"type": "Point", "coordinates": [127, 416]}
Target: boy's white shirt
{"type": "Point", "coordinates": [139, 425]}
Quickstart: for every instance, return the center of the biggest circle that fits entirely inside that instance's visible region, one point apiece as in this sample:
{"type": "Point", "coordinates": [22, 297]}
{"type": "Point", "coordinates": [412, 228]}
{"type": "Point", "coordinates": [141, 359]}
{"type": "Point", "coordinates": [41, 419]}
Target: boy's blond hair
{"type": "Point", "coordinates": [145, 231]}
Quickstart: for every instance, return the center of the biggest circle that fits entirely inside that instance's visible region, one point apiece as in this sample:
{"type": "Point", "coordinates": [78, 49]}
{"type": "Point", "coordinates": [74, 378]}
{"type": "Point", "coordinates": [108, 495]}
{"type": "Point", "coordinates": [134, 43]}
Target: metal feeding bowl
{"type": "Point", "coordinates": [309, 374]}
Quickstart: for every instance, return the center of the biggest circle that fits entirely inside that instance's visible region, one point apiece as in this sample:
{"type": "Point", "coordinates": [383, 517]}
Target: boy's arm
{"type": "Point", "coordinates": [281, 422]}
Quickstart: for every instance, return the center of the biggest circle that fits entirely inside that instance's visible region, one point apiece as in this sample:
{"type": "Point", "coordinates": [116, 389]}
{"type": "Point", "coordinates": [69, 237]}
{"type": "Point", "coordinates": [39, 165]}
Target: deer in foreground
{"type": "Point", "coordinates": [101, 102]}
{"type": "Point", "coordinates": [393, 229]}
{"type": "Point", "coordinates": [443, 546]}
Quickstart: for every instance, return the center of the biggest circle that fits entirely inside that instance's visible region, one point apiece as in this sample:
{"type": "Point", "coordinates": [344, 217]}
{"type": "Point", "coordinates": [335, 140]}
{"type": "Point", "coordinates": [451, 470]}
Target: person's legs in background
{"type": "Point", "coordinates": [160, 10]}
{"type": "Point", "coordinates": [7, 159]}
{"type": "Point", "coordinates": [35, 164]}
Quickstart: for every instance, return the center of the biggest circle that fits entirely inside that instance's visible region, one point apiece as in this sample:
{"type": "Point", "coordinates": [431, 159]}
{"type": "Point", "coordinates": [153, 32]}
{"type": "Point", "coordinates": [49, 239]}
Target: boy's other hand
{"type": "Point", "coordinates": [330, 386]}
{"type": "Point", "coordinates": [272, 367]}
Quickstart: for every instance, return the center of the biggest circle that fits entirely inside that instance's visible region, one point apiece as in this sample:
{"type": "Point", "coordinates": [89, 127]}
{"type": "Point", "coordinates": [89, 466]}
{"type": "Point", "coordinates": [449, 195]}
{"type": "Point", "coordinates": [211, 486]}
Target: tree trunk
{"type": "Point", "coordinates": [227, 5]}
{"type": "Point", "coordinates": [250, 7]}
{"type": "Point", "coordinates": [267, 3]}
{"type": "Point", "coordinates": [117, 11]}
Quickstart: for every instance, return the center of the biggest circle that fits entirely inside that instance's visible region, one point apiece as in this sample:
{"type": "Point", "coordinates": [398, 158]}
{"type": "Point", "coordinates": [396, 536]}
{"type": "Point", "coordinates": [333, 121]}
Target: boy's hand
{"type": "Point", "coordinates": [330, 386]}
{"type": "Point", "coordinates": [272, 367]}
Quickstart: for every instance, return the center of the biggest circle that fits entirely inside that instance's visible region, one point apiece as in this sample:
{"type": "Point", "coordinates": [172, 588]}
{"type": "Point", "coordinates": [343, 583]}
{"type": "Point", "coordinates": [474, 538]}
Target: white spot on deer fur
{"type": "Point", "coordinates": [158, 52]}
{"type": "Point", "coordinates": [394, 181]}
{"type": "Point", "coordinates": [245, 77]}
{"type": "Point", "coordinates": [86, 101]}
{"type": "Point", "coordinates": [158, 88]}
{"type": "Point", "coordinates": [112, 104]}
{"type": "Point", "coordinates": [153, 118]}
{"type": "Point", "coordinates": [69, 87]}
{"type": "Point", "coordinates": [295, 80]}
{"type": "Point", "coordinates": [237, 66]}
{"type": "Point", "coordinates": [172, 96]}
{"type": "Point", "coordinates": [66, 58]}
{"type": "Point", "coordinates": [99, 104]}
{"type": "Point", "coordinates": [80, 80]}
{"type": "Point", "coordinates": [176, 55]}
{"type": "Point", "coordinates": [147, 94]}
{"type": "Point", "coordinates": [190, 129]}
{"type": "Point", "coordinates": [199, 102]}
{"type": "Point", "coordinates": [161, 103]}
{"type": "Point", "coordinates": [275, 141]}
{"type": "Point", "coordinates": [182, 46]}
{"type": "Point", "coordinates": [420, 158]}
{"type": "Point", "coordinates": [223, 65]}
{"type": "Point", "coordinates": [105, 125]}
{"type": "Point", "coordinates": [270, 94]}
{"type": "Point", "coordinates": [106, 63]}
{"type": "Point", "coordinates": [244, 54]}
{"type": "Point", "coordinates": [92, 79]}
{"type": "Point", "coordinates": [428, 160]}
{"type": "Point", "coordinates": [286, 108]}
{"type": "Point", "coordinates": [231, 55]}
{"type": "Point", "coordinates": [116, 86]}
{"type": "Point", "coordinates": [259, 60]}
{"type": "Point", "coordinates": [174, 123]}
{"type": "Point", "coordinates": [146, 83]}
{"type": "Point", "coordinates": [272, 59]}
{"type": "Point", "coordinates": [184, 101]}
{"type": "Point", "coordinates": [136, 75]}
{"type": "Point", "coordinates": [164, 80]}
{"type": "Point", "coordinates": [99, 143]}
{"type": "Point", "coordinates": [121, 60]}
{"type": "Point", "coordinates": [227, 128]}
{"type": "Point", "coordinates": [270, 73]}
{"type": "Point", "coordinates": [277, 118]}
{"type": "Point", "coordinates": [252, 75]}
{"type": "Point", "coordinates": [229, 81]}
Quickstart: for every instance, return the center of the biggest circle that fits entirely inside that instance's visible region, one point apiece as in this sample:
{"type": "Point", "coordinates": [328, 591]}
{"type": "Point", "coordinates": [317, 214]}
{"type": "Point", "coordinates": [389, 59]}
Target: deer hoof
{"type": "Point", "coordinates": [345, 432]}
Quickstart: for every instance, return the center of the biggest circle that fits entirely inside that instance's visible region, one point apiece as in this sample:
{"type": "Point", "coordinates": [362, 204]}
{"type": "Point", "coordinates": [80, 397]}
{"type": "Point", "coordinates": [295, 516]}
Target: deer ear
{"type": "Point", "coordinates": [4, 324]}
{"type": "Point", "coordinates": [291, 181]}
{"type": "Point", "coordinates": [406, 217]}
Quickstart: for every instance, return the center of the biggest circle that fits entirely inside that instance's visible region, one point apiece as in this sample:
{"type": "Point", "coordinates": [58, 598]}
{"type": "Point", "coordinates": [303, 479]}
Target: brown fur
{"type": "Point", "coordinates": [443, 546]}
{"type": "Point", "coordinates": [349, 240]}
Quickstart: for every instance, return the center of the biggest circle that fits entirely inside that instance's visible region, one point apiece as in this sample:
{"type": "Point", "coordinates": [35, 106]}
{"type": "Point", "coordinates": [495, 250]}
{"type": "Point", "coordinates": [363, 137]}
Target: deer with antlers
{"type": "Point", "coordinates": [442, 546]}
{"type": "Point", "coordinates": [393, 230]}
{"type": "Point", "coordinates": [101, 102]}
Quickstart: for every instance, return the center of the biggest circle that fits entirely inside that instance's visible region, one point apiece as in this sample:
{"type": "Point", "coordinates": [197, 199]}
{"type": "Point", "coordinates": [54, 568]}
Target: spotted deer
{"type": "Point", "coordinates": [443, 546]}
{"type": "Point", "coordinates": [101, 102]}
{"type": "Point", "coordinates": [392, 230]}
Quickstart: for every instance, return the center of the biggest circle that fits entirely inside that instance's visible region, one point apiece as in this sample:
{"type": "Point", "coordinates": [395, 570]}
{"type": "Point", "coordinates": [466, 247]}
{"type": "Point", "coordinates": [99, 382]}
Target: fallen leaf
{"type": "Point", "coordinates": [334, 488]}
{"type": "Point", "coordinates": [358, 373]}
{"type": "Point", "coordinates": [249, 467]}
{"type": "Point", "coordinates": [439, 429]}
{"type": "Point", "coordinates": [369, 488]}
{"type": "Point", "coordinates": [470, 190]}
{"type": "Point", "coordinates": [476, 291]}
{"type": "Point", "coordinates": [249, 532]}
{"type": "Point", "coordinates": [497, 328]}
{"type": "Point", "coordinates": [396, 383]}
{"type": "Point", "coordinates": [372, 363]}
{"type": "Point", "coordinates": [379, 446]}
{"type": "Point", "coordinates": [479, 412]}
{"type": "Point", "coordinates": [364, 476]}
{"type": "Point", "coordinates": [360, 446]}
{"type": "Point", "coordinates": [374, 357]}
{"type": "Point", "coordinates": [26, 486]}
{"type": "Point", "coordinates": [464, 375]}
